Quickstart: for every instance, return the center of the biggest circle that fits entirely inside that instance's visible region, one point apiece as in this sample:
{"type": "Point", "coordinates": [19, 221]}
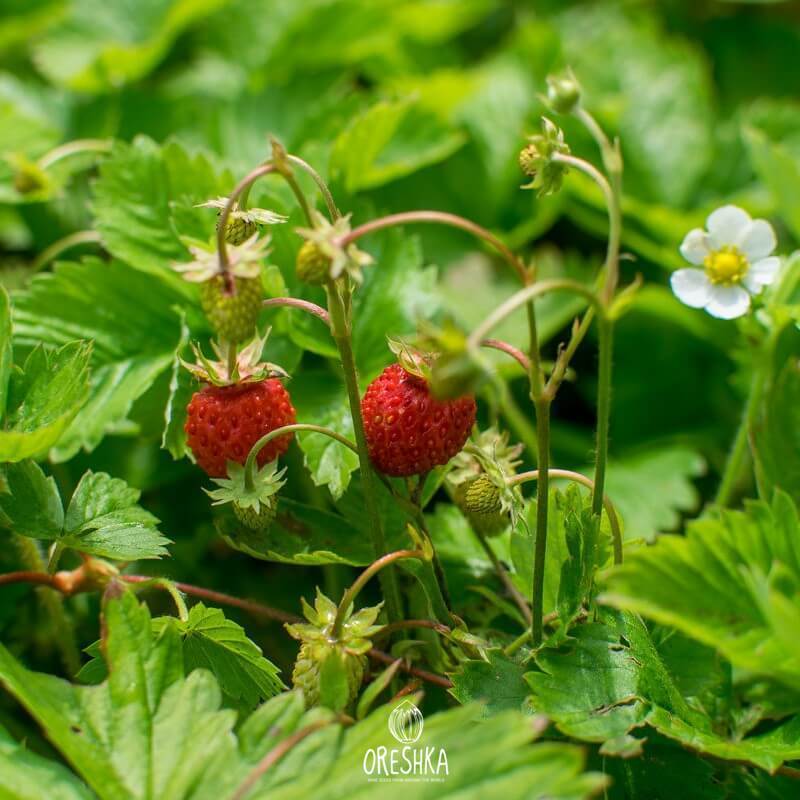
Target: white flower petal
{"type": "Point", "coordinates": [695, 246]}
{"type": "Point", "coordinates": [757, 240]}
{"type": "Point", "coordinates": [726, 225]}
{"type": "Point", "coordinates": [762, 273]}
{"type": "Point", "coordinates": [728, 302]}
{"type": "Point", "coordinates": [691, 286]}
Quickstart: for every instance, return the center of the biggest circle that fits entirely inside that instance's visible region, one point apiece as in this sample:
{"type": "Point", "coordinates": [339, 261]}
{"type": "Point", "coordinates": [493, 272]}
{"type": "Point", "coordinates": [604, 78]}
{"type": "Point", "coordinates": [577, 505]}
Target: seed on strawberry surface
{"type": "Point", "coordinates": [224, 422]}
{"type": "Point", "coordinates": [408, 431]}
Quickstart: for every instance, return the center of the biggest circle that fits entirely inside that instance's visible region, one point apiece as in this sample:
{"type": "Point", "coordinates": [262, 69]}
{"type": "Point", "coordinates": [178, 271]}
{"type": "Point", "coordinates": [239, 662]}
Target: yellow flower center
{"type": "Point", "coordinates": [726, 266]}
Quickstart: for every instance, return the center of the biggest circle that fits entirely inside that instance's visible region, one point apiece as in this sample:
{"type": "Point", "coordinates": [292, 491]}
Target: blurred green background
{"type": "Point", "coordinates": [407, 104]}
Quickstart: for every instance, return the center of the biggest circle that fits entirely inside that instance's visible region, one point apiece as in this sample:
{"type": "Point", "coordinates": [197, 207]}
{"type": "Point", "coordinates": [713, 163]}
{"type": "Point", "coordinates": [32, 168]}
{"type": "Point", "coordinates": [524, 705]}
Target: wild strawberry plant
{"type": "Point", "coordinates": [371, 507]}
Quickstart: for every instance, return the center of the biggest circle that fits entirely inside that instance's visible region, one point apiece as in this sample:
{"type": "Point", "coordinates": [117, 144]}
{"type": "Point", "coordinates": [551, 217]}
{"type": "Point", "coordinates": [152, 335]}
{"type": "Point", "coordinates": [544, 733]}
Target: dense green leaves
{"type": "Point", "coordinates": [731, 583]}
{"type": "Point", "coordinates": [102, 518]}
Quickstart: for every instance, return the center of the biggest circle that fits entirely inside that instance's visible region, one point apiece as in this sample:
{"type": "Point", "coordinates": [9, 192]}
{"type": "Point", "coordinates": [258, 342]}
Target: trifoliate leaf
{"type": "Point", "coordinates": [103, 519]}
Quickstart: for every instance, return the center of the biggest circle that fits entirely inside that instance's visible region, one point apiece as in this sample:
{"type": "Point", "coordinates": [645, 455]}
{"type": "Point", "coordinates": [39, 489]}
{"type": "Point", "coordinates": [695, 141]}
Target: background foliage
{"type": "Point", "coordinates": [401, 104]}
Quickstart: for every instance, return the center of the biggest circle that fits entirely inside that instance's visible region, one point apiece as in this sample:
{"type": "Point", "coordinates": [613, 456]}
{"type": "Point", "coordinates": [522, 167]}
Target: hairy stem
{"type": "Point", "coordinates": [303, 305]}
{"type": "Point", "coordinates": [333, 211]}
{"type": "Point", "coordinates": [340, 326]}
{"type": "Point", "coordinates": [505, 579]}
{"type": "Point", "coordinates": [605, 336]}
{"type": "Point", "coordinates": [542, 407]}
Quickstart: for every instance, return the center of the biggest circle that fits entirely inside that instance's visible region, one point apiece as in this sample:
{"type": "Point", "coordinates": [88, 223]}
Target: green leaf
{"type": "Point", "coordinates": [730, 583]}
{"type": "Point", "coordinates": [144, 733]}
{"type": "Point", "coordinates": [32, 505]}
{"type": "Point", "coordinates": [103, 519]}
{"type": "Point", "coordinates": [651, 489]}
{"type": "Point", "coordinates": [213, 642]}
{"type": "Point", "coordinates": [141, 188]}
{"type": "Point", "coordinates": [100, 45]}
{"type": "Point", "coordinates": [27, 776]}
{"type": "Point", "coordinates": [388, 141]}
{"type": "Point", "coordinates": [321, 397]}
{"type": "Point", "coordinates": [44, 398]}
{"type": "Point", "coordinates": [496, 682]}
{"type": "Point", "coordinates": [301, 534]}
{"type": "Point", "coordinates": [134, 342]}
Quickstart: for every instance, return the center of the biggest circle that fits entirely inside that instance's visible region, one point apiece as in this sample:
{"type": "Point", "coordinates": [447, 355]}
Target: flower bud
{"type": "Point", "coordinates": [563, 92]}
{"type": "Point", "coordinates": [537, 160]}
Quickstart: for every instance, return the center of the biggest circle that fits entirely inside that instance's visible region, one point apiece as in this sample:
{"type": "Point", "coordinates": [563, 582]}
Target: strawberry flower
{"type": "Point", "coordinates": [733, 261]}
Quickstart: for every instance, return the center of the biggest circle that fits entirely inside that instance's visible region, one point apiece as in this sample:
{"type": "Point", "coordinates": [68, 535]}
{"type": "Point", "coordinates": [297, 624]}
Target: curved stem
{"type": "Point", "coordinates": [523, 296]}
{"type": "Point", "coordinates": [250, 463]}
{"type": "Point", "coordinates": [172, 589]}
{"type": "Point", "coordinates": [58, 247]}
{"type": "Point", "coordinates": [222, 223]}
{"type": "Point", "coordinates": [27, 576]}
{"type": "Point", "coordinates": [275, 755]}
{"type": "Point", "coordinates": [509, 349]}
{"type": "Point", "coordinates": [376, 566]}
{"type": "Point", "coordinates": [341, 328]}
{"type": "Point", "coordinates": [299, 195]}
{"type": "Point", "coordinates": [613, 519]}
{"type": "Point", "coordinates": [333, 211]}
{"type": "Point", "coordinates": [431, 677]}
{"type": "Point", "coordinates": [443, 218]}
{"type": "Point", "coordinates": [74, 148]}
{"type": "Point", "coordinates": [303, 305]}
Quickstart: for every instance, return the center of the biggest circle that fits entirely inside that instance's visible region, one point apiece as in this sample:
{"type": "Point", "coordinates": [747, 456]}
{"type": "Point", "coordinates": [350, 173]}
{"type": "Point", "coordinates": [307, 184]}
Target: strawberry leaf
{"type": "Point", "coordinates": [31, 505]}
{"type": "Point", "coordinates": [103, 519]}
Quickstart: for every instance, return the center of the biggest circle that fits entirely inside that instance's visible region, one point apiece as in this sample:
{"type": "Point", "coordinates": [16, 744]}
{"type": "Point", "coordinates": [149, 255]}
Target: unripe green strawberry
{"type": "Point", "coordinates": [318, 642]}
{"type": "Point", "coordinates": [481, 503]}
{"type": "Point", "coordinates": [233, 315]}
{"type": "Point", "coordinates": [313, 266]}
{"type": "Point", "coordinates": [257, 520]}
{"type": "Point", "coordinates": [237, 229]}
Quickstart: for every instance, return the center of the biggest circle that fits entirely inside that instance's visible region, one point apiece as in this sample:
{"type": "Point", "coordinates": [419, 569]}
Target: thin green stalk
{"type": "Point", "coordinates": [340, 327]}
{"type": "Point", "coordinates": [505, 579]}
{"type": "Point", "coordinates": [542, 407]}
{"type": "Point", "coordinates": [734, 465]}
{"type": "Point", "coordinates": [377, 567]}
{"type": "Point", "coordinates": [605, 353]}
{"type": "Point", "coordinates": [53, 605]}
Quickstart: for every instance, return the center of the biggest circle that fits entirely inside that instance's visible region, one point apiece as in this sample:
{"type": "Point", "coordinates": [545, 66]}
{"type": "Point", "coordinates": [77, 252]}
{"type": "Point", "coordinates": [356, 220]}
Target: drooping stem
{"type": "Point", "coordinates": [442, 218]}
{"type": "Point", "coordinates": [73, 148]}
{"type": "Point", "coordinates": [51, 602]}
{"type": "Point", "coordinates": [58, 247]}
{"type": "Point", "coordinates": [250, 463]}
{"type": "Point", "coordinates": [522, 297]}
{"type": "Point", "coordinates": [734, 464]}
{"type": "Point", "coordinates": [341, 329]}
{"type": "Point", "coordinates": [542, 407]}
{"type": "Point", "coordinates": [333, 211]}
{"type": "Point", "coordinates": [605, 353]}
{"type": "Point", "coordinates": [611, 512]}
{"type": "Point", "coordinates": [509, 349]}
{"type": "Point", "coordinates": [299, 195]}
{"type": "Point", "coordinates": [374, 568]}
{"type": "Point", "coordinates": [303, 305]}
{"type": "Point", "coordinates": [173, 591]}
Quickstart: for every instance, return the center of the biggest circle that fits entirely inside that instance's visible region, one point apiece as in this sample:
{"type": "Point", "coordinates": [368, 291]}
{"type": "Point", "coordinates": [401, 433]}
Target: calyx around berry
{"type": "Point", "coordinates": [247, 368]}
{"type": "Point", "coordinates": [537, 161]}
{"type": "Point", "coordinates": [324, 659]}
{"type": "Point", "coordinates": [255, 498]}
{"type": "Point", "coordinates": [341, 259]}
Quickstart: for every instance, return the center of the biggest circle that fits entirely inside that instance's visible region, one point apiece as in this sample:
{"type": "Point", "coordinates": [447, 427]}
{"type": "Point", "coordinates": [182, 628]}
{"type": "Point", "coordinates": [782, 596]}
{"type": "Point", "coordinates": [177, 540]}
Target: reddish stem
{"type": "Point", "coordinates": [304, 305]}
{"type": "Point", "coordinates": [509, 349]}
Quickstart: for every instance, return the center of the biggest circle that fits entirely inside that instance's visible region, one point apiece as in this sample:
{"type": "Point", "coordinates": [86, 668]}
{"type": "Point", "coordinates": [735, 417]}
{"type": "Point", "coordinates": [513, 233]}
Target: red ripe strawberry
{"type": "Point", "coordinates": [408, 431]}
{"type": "Point", "coordinates": [224, 422]}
